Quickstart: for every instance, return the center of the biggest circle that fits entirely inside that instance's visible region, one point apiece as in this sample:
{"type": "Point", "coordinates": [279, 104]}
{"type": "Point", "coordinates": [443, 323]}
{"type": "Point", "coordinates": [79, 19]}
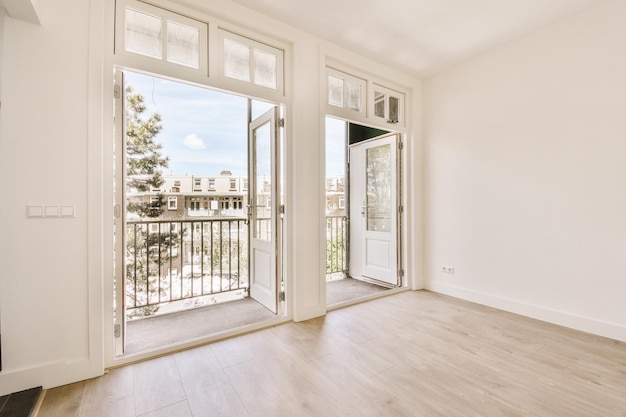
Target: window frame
{"type": "Point", "coordinates": [161, 65]}
{"type": "Point", "coordinates": [346, 77]}
{"type": "Point", "coordinates": [169, 201]}
{"type": "Point", "coordinates": [210, 51]}
{"type": "Point", "coordinates": [226, 34]}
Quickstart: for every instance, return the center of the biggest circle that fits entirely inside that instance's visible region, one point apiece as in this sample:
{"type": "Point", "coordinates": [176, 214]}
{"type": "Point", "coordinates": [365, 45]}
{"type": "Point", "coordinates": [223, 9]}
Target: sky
{"type": "Point", "coordinates": [205, 131]}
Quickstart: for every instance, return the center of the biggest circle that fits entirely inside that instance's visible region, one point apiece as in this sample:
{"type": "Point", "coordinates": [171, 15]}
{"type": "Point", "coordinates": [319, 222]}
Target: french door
{"type": "Point", "coordinates": [190, 239]}
{"type": "Point", "coordinates": [374, 210]}
{"type": "Point", "coordinates": [263, 208]}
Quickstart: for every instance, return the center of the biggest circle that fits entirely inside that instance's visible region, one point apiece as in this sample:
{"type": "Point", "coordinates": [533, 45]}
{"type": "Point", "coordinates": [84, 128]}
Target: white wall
{"type": "Point", "coordinates": [525, 190]}
{"type": "Point", "coordinates": [43, 161]}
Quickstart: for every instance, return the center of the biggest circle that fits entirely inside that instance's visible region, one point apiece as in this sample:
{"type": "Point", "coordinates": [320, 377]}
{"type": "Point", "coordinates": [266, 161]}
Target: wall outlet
{"type": "Point", "coordinates": [447, 269]}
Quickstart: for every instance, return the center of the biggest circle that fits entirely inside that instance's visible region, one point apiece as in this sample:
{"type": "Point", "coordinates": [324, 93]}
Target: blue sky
{"type": "Point", "coordinates": [205, 131]}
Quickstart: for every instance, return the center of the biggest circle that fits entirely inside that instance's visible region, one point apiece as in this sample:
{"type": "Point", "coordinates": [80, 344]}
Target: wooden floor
{"type": "Point", "coordinates": [408, 354]}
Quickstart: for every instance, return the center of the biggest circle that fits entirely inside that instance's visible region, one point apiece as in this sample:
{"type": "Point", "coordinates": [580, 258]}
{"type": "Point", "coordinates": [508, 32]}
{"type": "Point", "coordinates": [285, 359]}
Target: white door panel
{"type": "Point", "coordinates": [263, 209]}
{"type": "Point", "coordinates": [373, 217]}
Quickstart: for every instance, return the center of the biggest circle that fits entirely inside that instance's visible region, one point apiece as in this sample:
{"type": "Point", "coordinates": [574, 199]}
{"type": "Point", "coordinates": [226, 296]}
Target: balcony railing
{"type": "Point", "coordinates": [336, 245]}
{"type": "Point", "coordinates": [176, 261]}
{"type": "Point", "coordinates": [168, 261]}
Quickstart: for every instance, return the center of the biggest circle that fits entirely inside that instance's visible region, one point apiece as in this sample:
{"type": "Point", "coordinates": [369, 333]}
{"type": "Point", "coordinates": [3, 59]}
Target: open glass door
{"type": "Point", "coordinates": [374, 210]}
{"type": "Point", "coordinates": [119, 321]}
{"type": "Point", "coordinates": [262, 208]}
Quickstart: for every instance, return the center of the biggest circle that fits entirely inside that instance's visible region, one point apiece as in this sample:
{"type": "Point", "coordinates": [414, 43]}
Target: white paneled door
{"type": "Point", "coordinates": [374, 209]}
{"type": "Point", "coordinates": [263, 207]}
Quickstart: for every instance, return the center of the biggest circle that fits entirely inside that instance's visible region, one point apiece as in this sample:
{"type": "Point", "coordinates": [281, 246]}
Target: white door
{"type": "Point", "coordinates": [262, 208]}
{"type": "Point", "coordinates": [374, 210]}
{"type": "Point", "coordinates": [120, 220]}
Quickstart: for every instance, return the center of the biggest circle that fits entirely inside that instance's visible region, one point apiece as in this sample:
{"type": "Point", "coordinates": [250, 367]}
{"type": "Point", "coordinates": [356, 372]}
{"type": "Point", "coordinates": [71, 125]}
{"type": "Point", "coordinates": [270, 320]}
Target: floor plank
{"type": "Point", "coordinates": [408, 354]}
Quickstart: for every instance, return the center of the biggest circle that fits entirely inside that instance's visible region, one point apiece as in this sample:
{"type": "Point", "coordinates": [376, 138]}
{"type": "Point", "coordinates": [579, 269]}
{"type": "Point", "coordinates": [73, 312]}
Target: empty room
{"type": "Point", "coordinates": [266, 208]}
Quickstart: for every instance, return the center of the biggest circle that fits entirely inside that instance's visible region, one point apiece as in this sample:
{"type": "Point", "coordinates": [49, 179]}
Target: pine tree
{"type": "Point", "coordinates": [143, 156]}
{"type": "Point", "coordinates": [145, 251]}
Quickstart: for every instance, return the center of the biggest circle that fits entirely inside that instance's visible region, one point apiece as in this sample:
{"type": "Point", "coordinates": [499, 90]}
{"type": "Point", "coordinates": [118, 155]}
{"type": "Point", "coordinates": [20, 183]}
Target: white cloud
{"type": "Point", "coordinates": [192, 141]}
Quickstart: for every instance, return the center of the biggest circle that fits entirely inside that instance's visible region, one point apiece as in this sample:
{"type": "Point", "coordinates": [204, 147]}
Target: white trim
{"type": "Point", "coordinates": [601, 328]}
{"type": "Point", "coordinates": [95, 188]}
{"type": "Point", "coordinates": [47, 375]}
{"type": "Point", "coordinates": [163, 63]}
{"type": "Point", "coordinates": [210, 75]}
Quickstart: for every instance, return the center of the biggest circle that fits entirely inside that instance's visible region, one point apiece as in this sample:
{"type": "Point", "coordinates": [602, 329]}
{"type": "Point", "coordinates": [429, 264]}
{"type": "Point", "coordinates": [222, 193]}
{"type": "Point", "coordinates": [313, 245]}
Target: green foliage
{"type": "Point", "coordinates": [145, 252]}
{"type": "Point", "coordinates": [144, 160]}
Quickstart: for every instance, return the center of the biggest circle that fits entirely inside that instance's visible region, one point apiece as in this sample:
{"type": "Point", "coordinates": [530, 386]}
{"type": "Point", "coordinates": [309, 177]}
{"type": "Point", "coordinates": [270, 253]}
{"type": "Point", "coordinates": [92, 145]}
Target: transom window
{"type": "Point", "coordinates": [156, 33]}
{"type": "Point", "coordinates": [251, 62]}
{"type": "Point", "coordinates": [156, 40]}
{"type": "Point", "coordinates": [345, 91]}
{"type": "Point", "coordinates": [388, 104]}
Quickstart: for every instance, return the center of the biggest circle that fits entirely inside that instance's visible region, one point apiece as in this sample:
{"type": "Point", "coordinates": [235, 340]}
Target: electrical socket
{"type": "Point", "coordinates": [447, 269]}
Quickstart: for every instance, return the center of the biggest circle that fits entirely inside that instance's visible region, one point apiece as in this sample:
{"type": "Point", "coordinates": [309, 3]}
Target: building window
{"type": "Point", "coordinates": [342, 202]}
{"type": "Point", "coordinates": [172, 203]}
{"type": "Point", "coordinates": [211, 184]}
{"type": "Point", "coordinates": [197, 184]}
{"type": "Point", "coordinates": [155, 202]}
{"type": "Point", "coordinates": [233, 184]}
{"type": "Point", "coordinates": [245, 184]}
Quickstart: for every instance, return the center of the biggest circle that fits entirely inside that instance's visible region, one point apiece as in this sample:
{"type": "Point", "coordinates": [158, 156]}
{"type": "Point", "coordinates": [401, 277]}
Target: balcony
{"type": "Point", "coordinates": [173, 265]}
{"type": "Point", "coordinates": [190, 268]}
{"type": "Point", "coordinates": [215, 213]}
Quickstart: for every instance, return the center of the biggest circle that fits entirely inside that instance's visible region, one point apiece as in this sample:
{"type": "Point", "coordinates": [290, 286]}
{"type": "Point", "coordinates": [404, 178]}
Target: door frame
{"type": "Point", "coordinates": [119, 215]}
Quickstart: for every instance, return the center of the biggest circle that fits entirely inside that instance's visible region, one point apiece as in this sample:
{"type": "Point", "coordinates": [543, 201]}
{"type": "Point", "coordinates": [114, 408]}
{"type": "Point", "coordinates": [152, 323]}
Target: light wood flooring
{"type": "Point", "coordinates": [408, 354]}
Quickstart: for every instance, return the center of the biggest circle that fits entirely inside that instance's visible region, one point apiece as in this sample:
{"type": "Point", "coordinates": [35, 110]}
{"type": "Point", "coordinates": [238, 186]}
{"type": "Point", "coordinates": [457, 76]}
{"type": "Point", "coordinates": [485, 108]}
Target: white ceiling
{"type": "Point", "coordinates": [422, 37]}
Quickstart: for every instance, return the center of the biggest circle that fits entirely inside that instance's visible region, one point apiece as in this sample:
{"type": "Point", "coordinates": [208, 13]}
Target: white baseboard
{"type": "Point", "coordinates": [600, 328]}
{"type": "Point", "coordinates": [46, 375]}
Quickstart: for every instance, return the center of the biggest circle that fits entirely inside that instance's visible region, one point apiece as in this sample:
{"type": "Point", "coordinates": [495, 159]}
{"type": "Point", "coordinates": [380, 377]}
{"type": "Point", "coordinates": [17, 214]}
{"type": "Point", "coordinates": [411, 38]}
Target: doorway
{"type": "Point", "coordinates": [196, 215]}
{"type": "Point", "coordinates": [363, 223]}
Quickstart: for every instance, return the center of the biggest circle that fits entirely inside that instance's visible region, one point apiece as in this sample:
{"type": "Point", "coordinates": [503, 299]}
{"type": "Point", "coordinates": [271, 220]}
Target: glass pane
{"type": "Point", "coordinates": [263, 191]}
{"type": "Point", "coordinates": [394, 106]}
{"type": "Point", "coordinates": [143, 34]}
{"type": "Point", "coordinates": [264, 69]}
{"type": "Point", "coordinates": [236, 60]}
{"type": "Point", "coordinates": [335, 91]}
{"type": "Point", "coordinates": [378, 189]}
{"type": "Point", "coordinates": [182, 45]}
{"type": "Point", "coordinates": [379, 104]}
{"type": "Point", "coordinates": [354, 96]}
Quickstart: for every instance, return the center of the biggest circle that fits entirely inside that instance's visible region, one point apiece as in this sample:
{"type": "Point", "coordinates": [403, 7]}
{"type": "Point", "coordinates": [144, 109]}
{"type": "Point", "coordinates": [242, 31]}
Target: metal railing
{"type": "Point", "coordinates": [169, 261]}
{"type": "Point", "coordinates": [336, 244]}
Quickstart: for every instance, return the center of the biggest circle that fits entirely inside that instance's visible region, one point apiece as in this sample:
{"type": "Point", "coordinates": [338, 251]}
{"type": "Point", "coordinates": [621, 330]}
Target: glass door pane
{"type": "Point", "coordinates": [379, 188]}
{"type": "Point", "coordinates": [261, 196]}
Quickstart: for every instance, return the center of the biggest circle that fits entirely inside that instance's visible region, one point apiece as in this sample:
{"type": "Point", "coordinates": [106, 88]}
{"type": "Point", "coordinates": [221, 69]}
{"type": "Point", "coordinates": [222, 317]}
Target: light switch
{"type": "Point", "coordinates": [34, 211]}
{"type": "Point", "coordinates": [51, 211]}
{"type": "Point", "coordinates": [67, 211]}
